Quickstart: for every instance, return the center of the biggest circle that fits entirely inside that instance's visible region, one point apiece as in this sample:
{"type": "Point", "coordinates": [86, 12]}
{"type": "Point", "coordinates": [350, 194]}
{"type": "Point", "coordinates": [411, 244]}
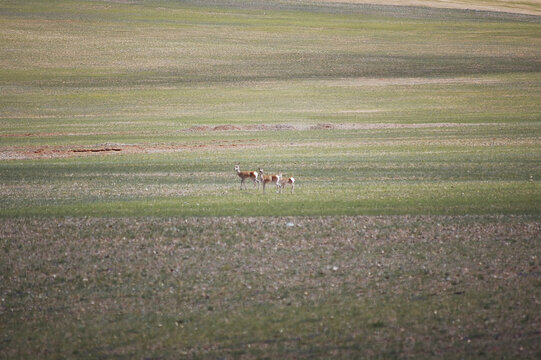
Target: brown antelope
{"type": "Point", "coordinates": [269, 178]}
{"type": "Point", "coordinates": [283, 182]}
{"type": "Point", "coordinates": [247, 175]}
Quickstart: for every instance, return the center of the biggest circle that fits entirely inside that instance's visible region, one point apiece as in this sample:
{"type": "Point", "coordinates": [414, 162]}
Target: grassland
{"type": "Point", "coordinates": [325, 287]}
{"type": "Point", "coordinates": [414, 134]}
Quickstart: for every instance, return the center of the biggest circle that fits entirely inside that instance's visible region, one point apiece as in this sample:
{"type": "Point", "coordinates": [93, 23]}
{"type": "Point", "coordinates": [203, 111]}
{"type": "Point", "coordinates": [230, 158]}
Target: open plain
{"type": "Point", "coordinates": [413, 131]}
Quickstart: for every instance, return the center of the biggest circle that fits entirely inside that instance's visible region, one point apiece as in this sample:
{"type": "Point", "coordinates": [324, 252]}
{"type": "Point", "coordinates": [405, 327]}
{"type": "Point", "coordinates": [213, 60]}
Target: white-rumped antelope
{"type": "Point", "coordinates": [269, 179]}
{"type": "Point", "coordinates": [243, 175]}
{"type": "Point", "coordinates": [289, 181]}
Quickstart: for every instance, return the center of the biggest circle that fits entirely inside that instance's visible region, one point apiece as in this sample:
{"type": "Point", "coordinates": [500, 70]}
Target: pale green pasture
{"type": "Point", "coordinates": [478, 169]}
{"type": "Point", "coordinates": [89, 62]}
{"type": "Point", "coordinates": [448, 198]}
{"type": "Point", "coordinates": [154, 251]}
{"type": "Point", "coordinates": [405, 100]}
{"type": "Point", "coordinates": [77, 74]}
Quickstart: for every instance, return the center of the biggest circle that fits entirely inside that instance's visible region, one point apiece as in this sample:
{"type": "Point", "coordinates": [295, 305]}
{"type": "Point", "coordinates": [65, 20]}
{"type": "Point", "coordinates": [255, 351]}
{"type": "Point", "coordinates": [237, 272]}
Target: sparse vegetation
{"type": "Point", "coordinates": [411, 286]}
{"type": "Point", "coordinates": [413, 134]}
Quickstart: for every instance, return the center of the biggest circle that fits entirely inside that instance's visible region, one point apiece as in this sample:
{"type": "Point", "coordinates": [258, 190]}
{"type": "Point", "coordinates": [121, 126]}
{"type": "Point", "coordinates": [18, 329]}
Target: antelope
{"type": "Point", "coordinates": [283, 182]}
{"type": "Point", "coordinates": [245, 175]}
{"type": "Point", "coordinates": [269, 178]}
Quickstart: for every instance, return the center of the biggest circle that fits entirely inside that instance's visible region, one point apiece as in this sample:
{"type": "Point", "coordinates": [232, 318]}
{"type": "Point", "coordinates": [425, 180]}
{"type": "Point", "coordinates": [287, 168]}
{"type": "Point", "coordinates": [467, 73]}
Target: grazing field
{"type": "Point", "coordinates": [413, 133]}
{"type": "Point", "coordinates": [409, 286]}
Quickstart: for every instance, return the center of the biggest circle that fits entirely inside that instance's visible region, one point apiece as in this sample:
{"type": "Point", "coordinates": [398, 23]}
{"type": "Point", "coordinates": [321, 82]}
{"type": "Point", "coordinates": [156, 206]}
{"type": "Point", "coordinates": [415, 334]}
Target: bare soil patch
{"type": "Point", "coordinates": [226, 128]}
{"type": "Point", "coordinates": [49, 152]}
{"type": "Point", "coordinates": [95, 150]}
{"type": "Point", "coordinates": [251, 127]}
